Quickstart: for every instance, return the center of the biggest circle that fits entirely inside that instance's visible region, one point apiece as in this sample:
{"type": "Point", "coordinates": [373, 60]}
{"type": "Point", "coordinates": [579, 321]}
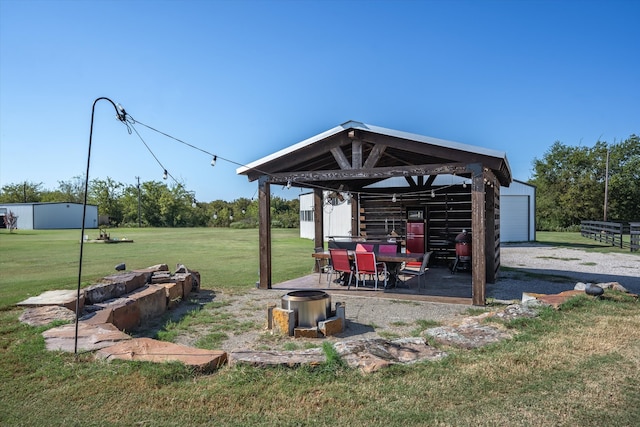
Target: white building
{"type": "Point", "coordinates": [336, 216]}
{"type": "Point", "coordinates": [518, 212]}
{"type": "Point", "coordinates": [43, 216]}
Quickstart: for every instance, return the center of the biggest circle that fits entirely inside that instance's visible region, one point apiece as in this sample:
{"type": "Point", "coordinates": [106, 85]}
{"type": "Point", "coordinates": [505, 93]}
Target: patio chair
{"type": "Point", "coordinates": [387, 249]}
{"type": "Point", "coordinates": [408, 271]}
{"type": "Point", "coordinates": [366, 264]}
{"type": "Point", "coordinates": [323, 265]}
{"type": "Point", "coordinates": [340, 263]}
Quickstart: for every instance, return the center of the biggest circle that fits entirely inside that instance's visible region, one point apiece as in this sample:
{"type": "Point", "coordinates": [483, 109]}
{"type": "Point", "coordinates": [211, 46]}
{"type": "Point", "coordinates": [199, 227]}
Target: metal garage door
{"type": "Point", "coordinates": [514, 218]}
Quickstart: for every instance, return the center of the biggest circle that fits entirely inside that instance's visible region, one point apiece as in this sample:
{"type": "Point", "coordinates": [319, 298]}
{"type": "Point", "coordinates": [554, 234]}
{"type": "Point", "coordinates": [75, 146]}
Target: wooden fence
{"type": "Point", "coordinates": [612, 233]}
{"type": "Point", "coordinates": [634, 233]}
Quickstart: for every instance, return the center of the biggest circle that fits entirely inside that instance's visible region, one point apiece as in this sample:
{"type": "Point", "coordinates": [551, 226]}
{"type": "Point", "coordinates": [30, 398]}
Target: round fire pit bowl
{"type": "Point", "coordinates": [310, 306]}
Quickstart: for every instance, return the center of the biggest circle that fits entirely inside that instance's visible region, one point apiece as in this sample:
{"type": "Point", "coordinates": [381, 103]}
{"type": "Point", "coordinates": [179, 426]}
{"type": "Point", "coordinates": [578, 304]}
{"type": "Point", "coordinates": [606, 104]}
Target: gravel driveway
{"type": "Point", "coordinates": [550, 269]}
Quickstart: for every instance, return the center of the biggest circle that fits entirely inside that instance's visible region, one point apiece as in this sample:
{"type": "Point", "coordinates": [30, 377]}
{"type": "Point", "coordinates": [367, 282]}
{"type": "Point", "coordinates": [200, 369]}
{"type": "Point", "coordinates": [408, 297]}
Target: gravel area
{"type": "Point", "coordinates": [540, 269]}
{"type": "Point", "coordinates": [550, 270]}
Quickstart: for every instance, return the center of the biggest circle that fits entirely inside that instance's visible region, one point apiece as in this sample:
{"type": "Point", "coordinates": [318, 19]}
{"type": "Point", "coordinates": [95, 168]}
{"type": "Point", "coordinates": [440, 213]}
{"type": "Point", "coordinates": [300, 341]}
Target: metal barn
{"type": "Point", "coordinates": [47, 216]}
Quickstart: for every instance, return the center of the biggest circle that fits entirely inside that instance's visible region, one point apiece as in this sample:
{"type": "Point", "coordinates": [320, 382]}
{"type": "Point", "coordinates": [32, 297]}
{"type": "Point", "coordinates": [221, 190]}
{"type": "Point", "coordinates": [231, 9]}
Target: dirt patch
{"type": "Point", "coordinates": [367, 317]}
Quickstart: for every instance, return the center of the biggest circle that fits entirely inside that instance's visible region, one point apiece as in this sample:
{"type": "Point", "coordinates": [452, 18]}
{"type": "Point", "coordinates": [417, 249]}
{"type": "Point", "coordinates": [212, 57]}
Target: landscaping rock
{"type": "Point", "coordinates": [516, 311]}
{"type": "Point", "coordinates": [371, 355]}
{"type": "Point", "coordinates": [614, 286]}
{"type": "Point", "coordinates": [104, 291]}
{"type": "Point", "coordinates": [153, 269]}
{"type": "Point", "coordinates": [292, 359]}
{"type": "Point", "coordinates": [90, 337]}
{"type": "Point", "coordinates": [126, 313]}
{"type": "Point", "coordinates": [96, 317]}
{"type": "Point", "coordinates": [593, 290]}
{"type": "Point", "coordinates": [554, 300]}
{"type": "Point", "coordinates": [40, 316]}
{"type": "Point", "coordinates": [62, 298]}
{"type": "Point", "coordinates": [173, 292]}
{"type": "Point", "coordinates": [151, 301]}
{"type": "Point", "coordinates": [150, 350]}
{"type": "Point", "coordinates": [131, 280]}
{"type": "Point", "coordinates": [468, 335]}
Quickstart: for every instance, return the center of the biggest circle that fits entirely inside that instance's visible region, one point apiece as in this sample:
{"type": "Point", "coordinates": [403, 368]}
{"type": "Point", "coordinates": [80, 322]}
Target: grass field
{"type": "Point", "coordinates": [576, 366]}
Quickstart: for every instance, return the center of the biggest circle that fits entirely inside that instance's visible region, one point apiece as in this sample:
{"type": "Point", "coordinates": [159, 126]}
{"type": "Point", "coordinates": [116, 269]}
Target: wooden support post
{"type": "Point", "coordinates": [264, 207]}
{"type": "Point", "coordinates": [478, 235]}
{"type": "Point", "coordinates": [492, 231]}
{"type": "Point", "coordinates": [318, 219]}
{"type": "Point", "coordinates": [355, 216]}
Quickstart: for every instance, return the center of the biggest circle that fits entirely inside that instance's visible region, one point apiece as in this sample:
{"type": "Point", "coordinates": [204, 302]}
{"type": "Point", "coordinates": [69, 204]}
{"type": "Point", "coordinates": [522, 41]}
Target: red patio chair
{"type": "Point", "coordinates": [341, 263]}
{"type": "Point", "coordinates": [387, 249]}
{"type": "Point", "coordinates": [366, 265]}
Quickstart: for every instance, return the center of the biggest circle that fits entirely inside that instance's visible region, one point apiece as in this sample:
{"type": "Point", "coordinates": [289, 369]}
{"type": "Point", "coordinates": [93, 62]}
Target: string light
{"type": "Point", "coordinates": [129, 121]}
{"type": "Point", "coordinates": [393, 198]}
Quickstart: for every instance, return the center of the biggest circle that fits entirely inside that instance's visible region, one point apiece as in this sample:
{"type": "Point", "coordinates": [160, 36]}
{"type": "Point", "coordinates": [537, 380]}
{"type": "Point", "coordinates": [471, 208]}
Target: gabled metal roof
{"type": "Point", "coordinates": [400, 149]}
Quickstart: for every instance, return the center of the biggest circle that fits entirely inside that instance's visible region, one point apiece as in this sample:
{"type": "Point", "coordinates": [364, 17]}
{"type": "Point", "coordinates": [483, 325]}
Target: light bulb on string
{"type": "Point", "coordinates": [213, 161]}
{"type": "Point", "coordinates": [393, 198]}
{"type": "Point", "coordinates": [288, 184]}
{"type": "Point", "coordinates": [433, 194]}
{"type": "Point", "coordinates": [165, 174]}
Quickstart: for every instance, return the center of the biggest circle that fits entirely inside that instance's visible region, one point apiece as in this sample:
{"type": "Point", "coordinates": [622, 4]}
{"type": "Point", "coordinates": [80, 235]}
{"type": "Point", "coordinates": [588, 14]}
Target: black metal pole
{"type": "Point", "coordinates": [121, 114]}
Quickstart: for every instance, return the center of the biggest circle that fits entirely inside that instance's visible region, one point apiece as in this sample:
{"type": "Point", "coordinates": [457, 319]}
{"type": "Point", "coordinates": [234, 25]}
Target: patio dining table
{"type": "Point", "coordinates": [393, 261]}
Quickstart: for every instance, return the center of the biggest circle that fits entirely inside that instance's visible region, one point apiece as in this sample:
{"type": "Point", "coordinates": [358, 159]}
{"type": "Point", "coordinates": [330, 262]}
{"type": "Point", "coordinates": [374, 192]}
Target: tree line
{"type": "Point", "coordinates": [154, 204]}
{"type": "Point", "coordinates": [570, 186]}
{"type": "Point", "coordinates": [572, 181]}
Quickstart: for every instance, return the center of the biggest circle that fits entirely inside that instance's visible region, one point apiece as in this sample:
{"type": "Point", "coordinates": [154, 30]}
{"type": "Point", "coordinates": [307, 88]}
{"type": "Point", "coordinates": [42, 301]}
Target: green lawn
{"type": "Point", "coordinates": [35, 261]}
{"type": "Point", "coordinates": [576, 366]}
{"type": "Point", "coordinates": [575, 240]}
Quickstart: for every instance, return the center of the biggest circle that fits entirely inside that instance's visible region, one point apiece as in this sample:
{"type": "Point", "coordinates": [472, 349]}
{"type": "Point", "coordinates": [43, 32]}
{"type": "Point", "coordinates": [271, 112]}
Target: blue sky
{"type": "Point", "coordinates": [244, 79]}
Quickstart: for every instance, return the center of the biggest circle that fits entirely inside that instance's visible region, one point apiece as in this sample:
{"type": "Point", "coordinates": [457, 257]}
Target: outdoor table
{"type": "Point", "coordinates": [393, 261]}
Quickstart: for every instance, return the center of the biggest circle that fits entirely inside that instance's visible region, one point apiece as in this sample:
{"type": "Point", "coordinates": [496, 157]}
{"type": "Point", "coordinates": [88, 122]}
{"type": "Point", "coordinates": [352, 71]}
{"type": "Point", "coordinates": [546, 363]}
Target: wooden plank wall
{"type": "Point", "coordinates": [448, 213]}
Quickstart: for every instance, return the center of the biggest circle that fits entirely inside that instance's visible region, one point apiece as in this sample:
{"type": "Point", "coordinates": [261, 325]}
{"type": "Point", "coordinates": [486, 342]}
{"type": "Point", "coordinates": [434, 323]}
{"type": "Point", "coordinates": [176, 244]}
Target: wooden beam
{"type": "Point", "coordinates": [411, 181]}
{"type": "Point", "coordinates": [356, 154]}
{"type": "Point", "coordinates": [264, 239]}
{"type": "Point", "coordinates": [374, 156]}
{"type": "Point", "coordinates": [375, 173]}
{"type": "Point", "coordinates": [342, 160]}
{"type": "Point", "coordinates": [478, 233]}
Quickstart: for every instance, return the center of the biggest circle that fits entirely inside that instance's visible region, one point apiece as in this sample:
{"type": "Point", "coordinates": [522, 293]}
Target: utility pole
{"type": "Point", "coordinates": [139, 219]}
{"type": "Point", "coordinates": [606, 186]}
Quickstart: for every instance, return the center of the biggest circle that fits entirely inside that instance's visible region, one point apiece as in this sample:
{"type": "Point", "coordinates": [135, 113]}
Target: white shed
{"type": "Point", "coordinates": [518, 212]}
{"type": "Point", "coordinates": [42, 216]}
{"type": "Point", "coordinates": [336, 216]}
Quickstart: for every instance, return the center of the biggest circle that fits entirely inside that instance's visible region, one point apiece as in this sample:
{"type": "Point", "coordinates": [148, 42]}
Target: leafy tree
{"type": "Point", "coordinates": [24, 192]}
{"type": "Point", "coordinates": [624, 180]}
{"type": "Point", "coordinates": [107, 194]}
{"type": "Point", "coordinates": [571, 183]}
{"type": "Point", "coordinates": [71, 191]}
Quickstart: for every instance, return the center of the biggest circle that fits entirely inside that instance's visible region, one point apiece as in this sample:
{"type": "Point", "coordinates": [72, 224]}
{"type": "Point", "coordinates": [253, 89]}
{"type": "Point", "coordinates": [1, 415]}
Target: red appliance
{"type": "Point", "coordinates": [463, 252]}
{"type": "Point", "coordinates": [415, 237]}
